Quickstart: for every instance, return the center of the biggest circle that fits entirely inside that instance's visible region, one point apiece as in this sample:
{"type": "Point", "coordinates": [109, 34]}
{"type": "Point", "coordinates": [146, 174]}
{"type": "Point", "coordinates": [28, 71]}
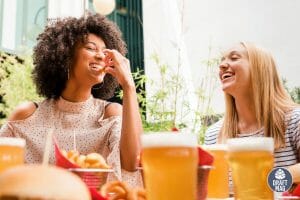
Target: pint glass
{"type": "Point", "coordinates": [251, 160]}
{"type": "Point", "coordinates": [218, 179]}
{"type": "Point", "coordinates": [170, 166]}
{"type": "Point", "coordinates": [11, 152]}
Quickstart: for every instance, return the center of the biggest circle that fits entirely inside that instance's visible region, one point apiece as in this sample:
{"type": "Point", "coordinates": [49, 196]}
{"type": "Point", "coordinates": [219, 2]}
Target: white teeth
{"type": "Point", "coordinates": [95, 65]}
{"type": "Point", "coordinates": [226, 75]}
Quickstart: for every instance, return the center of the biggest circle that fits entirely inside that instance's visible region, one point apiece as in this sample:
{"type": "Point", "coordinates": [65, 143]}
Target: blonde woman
{"type": "Point", "coordinates": [257, 103]}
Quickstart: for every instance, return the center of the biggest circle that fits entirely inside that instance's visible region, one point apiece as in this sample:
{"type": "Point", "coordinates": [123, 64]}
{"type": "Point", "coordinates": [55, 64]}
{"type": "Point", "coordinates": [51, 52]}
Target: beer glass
{"type": "Point", "coordinates": [218, 179]}
{"type": "Point", "coordinates": [251, 160]}
{"type": "Point", "coordinates": [11, 152]}
{"type": "Point", "coordinates": [169, 163]}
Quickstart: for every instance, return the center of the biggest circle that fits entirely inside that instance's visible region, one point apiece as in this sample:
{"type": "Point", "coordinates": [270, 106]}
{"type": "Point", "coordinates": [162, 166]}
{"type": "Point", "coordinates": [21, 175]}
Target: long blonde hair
{"type": "Point", "coordinates": [271, 100]}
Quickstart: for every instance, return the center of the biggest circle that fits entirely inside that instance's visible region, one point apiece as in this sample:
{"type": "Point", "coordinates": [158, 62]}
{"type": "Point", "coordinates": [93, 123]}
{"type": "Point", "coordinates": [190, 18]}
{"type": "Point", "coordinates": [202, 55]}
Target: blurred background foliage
{"type": "Point", "coordinates": [170, 91]}
{"type": "Point", "coordinates": [16, 85]}
{"type": "Point", "coordinates": [294, 92]}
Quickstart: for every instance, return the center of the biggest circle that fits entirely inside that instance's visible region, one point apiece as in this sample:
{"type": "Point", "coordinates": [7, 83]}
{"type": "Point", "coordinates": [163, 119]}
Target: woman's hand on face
{"type": "Point", "coordinates": [118, 66]}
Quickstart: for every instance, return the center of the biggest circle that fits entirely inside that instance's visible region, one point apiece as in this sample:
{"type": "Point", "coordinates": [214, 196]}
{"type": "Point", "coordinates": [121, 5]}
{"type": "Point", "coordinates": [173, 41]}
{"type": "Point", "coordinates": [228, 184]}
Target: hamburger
{"type": "Point", "coordinates": [39, 182]}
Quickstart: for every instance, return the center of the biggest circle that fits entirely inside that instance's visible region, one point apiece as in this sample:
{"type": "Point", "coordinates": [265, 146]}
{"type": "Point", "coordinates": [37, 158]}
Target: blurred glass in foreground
{"type": "Point", "coordinates": [170, 165]}
{"type": "Point", "coordinates": [251, 160]}
{"type": "Point", "coordinates": [11, 152]}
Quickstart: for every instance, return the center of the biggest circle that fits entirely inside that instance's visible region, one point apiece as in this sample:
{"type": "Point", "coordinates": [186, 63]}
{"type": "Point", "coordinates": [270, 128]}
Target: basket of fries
{"type": "Point", "coordinates": [92, 168]}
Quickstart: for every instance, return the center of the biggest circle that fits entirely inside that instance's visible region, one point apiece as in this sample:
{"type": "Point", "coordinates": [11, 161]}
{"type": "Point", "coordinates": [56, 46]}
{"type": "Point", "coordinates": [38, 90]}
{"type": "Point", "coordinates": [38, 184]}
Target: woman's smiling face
{"type": "Point", "coordinates": [89, 61]}
{"type": "Point", "coordinates": [234, 71]}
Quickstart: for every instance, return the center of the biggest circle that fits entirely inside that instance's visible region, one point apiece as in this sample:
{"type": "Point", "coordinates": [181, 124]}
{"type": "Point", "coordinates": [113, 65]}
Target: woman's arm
{"type": "Point", "coordinates": [119, 67]}
{"type": "Point", "coordinates": [23, 111]}
{"type": "Point", "coordinates": [295, 172]}
{"type": "Point", "coordinates": [131, 129]}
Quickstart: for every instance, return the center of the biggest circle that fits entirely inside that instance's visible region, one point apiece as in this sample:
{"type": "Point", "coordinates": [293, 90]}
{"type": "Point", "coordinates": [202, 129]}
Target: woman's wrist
{"type": "Point", "coordinates": [128, 86]}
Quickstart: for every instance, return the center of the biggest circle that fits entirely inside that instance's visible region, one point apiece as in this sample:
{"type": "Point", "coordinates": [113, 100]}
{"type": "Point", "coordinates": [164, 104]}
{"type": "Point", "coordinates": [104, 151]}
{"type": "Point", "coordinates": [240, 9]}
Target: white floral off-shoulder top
{"type": "Point", "coordinates": [84, 121]}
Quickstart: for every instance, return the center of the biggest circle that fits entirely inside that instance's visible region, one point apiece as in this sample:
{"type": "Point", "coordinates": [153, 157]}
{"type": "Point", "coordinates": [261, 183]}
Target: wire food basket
{"type": "Point", "coordinates": [94, 178]}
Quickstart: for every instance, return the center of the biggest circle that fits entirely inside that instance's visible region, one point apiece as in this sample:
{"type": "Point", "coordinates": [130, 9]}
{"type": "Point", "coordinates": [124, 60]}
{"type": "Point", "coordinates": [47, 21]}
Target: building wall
{"type": "Point", "coordinates": [22, 20]}
{"type": "Point", "coordinates": [66, 8]}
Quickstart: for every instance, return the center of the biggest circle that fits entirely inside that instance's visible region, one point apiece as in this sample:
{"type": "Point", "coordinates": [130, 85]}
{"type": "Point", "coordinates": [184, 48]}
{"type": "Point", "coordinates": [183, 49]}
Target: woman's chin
{"type": "Point", "coordinates": [98, 79]}
{"type": "Point", "coordinates": [227, 89]}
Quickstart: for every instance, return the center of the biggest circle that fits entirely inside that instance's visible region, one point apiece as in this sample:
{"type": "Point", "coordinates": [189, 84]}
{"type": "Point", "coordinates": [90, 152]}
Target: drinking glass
{"type": "Point", "coordinates": [170, 165]}
{"type": "Point", "coordinates": [251, 160]}
{"type": "Point", "coordinates": [11, 152]}
{"type": "Point", "coordinates": [218, 179]}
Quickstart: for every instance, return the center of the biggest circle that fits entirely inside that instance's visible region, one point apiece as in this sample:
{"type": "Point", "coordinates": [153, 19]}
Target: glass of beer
{"type": "Point", "coordinates": [218, 179]}
{"type": "Point", "coordinates": [169, 163]}
{"type": "Point", "coordinates": [251, 160]}
{"type": "Point", "coordinates": [11, 152]}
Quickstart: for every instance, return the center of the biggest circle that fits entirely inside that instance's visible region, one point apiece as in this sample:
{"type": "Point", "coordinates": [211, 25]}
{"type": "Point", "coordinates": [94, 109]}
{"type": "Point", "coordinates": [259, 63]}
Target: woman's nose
{"type": "Point", "coordinates": [100, 55]}
{"type": "Point", "coordinates": [223, 65]}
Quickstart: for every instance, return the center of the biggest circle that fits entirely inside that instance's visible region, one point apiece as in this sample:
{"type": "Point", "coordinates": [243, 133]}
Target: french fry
{"type": "Point", "coordinates": [117, 190]}
{"type": "Point", "coordinates": [81, 161]}
{"type": "Point", "coordinates": [92, 160]}
{"type": "Point", "coordinates": [64, 153]}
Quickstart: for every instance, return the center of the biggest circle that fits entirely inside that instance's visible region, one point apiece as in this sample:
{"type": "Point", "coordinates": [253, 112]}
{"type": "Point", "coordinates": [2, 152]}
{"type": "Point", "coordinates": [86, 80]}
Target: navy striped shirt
{"type": "Point", "coordinates": [289, 155]}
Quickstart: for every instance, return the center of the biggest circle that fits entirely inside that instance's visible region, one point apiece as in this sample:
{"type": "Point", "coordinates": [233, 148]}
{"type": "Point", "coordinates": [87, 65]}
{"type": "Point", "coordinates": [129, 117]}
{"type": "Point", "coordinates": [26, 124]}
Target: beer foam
{"type": "Point", "coordinates": [215, 147]}
{"type": "Point", "coordinates": [251, 144]}
{"type": "Point", "coordinates": [169, 139]}
{"type": "Point", "coordinates": [10, 141]}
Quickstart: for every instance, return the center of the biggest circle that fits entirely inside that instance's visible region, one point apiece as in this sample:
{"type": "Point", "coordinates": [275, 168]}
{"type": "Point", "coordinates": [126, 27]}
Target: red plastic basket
{"type": "Point", "coordinates": [94, 178]}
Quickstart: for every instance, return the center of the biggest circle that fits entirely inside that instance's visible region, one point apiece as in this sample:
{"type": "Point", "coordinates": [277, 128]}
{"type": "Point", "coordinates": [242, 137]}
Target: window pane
{"type": "Point", "coordinates": [21, 22]}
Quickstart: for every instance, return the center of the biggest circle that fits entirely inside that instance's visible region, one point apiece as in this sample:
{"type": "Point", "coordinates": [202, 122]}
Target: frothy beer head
{"type": "Point", "coordinates": [215, 147]}
{"type": "Point", "coordinates": [169, 140]}
{"type": "Point", "coordinates": [251, 144]}
{"type": "Point", "coordinates": [9, 141]}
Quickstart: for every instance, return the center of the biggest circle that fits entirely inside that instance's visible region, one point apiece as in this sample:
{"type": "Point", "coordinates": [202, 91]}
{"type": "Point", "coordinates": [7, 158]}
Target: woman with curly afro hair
{"type": "Point", "coordinates": [78, 65]}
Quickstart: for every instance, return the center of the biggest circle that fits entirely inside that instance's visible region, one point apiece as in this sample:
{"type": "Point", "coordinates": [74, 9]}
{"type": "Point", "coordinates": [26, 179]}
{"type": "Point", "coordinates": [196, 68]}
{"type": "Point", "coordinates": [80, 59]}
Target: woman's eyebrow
{"type": "Point", "coordinates": [231, 53]}
{"type": "Point", "coordinates": [93, 43]}
{"type": "Point", "coordinates": [89, 42]}
{"type": "Point", "coordinates": [234, 53]}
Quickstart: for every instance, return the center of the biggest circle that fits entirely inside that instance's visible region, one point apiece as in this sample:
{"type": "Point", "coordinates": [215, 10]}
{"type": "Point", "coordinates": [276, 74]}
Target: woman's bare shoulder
{"type": "Point", "coordinates": [23, 111]}
{"type": "Point", "coordinates": [113, 109]}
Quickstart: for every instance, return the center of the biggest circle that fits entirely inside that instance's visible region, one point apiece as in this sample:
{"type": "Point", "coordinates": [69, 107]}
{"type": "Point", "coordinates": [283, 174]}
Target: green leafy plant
{"type": "Point", "coordinates": [158, 108]}
{"type": "Point", "coordinates": [158, 105]}
{"type": "Point", "coordinates": [16, 85]}
{"type": "Point", "coordinates": [204, 115]}
{"type": "Point", "coordinates": [166, 105]}
{"type": "Point", "coordinates": [294, 92]}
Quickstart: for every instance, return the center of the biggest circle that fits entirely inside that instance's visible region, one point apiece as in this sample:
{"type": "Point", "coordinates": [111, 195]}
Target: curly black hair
{"type": "Point", "coordinates": [54, 52]}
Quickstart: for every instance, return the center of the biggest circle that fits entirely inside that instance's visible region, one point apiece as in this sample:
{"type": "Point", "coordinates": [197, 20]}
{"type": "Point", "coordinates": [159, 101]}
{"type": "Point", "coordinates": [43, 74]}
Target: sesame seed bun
{"type": "Point", "coordinates": [42, 182]}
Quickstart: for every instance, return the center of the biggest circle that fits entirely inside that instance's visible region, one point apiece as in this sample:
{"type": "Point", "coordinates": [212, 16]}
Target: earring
{"type": "Point", "coordinates": [68, 73]}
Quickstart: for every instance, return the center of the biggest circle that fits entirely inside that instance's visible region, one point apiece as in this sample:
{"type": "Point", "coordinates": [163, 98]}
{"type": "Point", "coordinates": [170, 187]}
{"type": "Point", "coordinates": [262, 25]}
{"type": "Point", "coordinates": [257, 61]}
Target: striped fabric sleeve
{"type": "Point", "coordinates": [294, 127]}
{"type": "Point", "coordinates": [212, 133]}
